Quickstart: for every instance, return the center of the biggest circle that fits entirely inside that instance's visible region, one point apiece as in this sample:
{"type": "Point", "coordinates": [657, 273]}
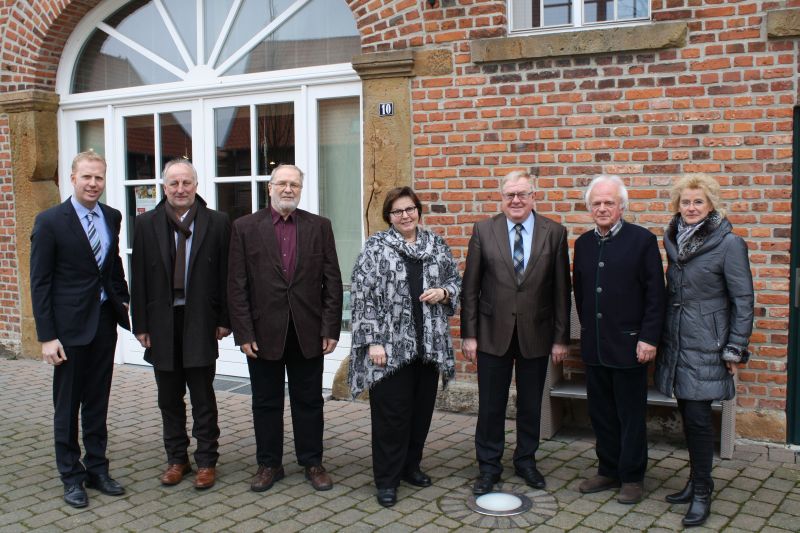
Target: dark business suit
{"type": "Point", "coordinates": [513, 323]}
{"type": "Point", "coordinates": [620, 298]}
{"type": "Point", "coordinates": [287, 319]}
{"type": "Point", "coordinates": [183, 342]}
{"type": "Point", "coordinates": [66, 284]}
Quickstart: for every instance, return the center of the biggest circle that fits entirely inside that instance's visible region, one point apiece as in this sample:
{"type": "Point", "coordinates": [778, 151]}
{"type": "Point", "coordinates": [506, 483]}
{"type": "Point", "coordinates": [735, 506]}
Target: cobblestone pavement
{"type": "Point", "coordinates": [753, 492]}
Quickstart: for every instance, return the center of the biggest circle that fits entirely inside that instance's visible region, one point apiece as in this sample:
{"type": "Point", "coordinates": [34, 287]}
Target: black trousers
{"type": "Point", "coordinates": [171, 391]}
{"type": "Point", "coordinates": [81, 385]}
{"type": "Point", "coordinates": [699, 432]}
{"type": "Point", "coordinates": [494, 379]}
{"type": "Point", "coordinates": [617, 409]}
{"type": "Point", "coordinates": [401, 406]}
{"type": "Point", "coordinates": [305, 397]}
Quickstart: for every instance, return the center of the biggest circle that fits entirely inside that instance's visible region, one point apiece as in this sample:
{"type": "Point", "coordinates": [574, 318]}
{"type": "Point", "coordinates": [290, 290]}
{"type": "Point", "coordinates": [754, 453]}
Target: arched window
{"type": "Point", "coordinates": [149, 42]}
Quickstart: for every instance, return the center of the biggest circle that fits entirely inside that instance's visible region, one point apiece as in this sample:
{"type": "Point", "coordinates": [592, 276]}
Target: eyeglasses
{"type": "Point", "coordinates": [509, 196]}
{"type": "Point", "coordinates": [698, 202]}
{"type": "Point", "coordinates": [286, 184]}
{"type": "Point", "coordinates": [397, 213]}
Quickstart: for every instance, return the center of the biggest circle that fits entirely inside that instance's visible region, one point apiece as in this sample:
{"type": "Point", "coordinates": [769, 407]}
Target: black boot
{"type": "Point", "coordinates": [700, 507]}
{"type": "Point", "coordinates": [684, 496]}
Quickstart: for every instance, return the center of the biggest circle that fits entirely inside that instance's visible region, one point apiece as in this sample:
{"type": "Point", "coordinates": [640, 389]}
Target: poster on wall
{"type": "Point", "coordinates": [145, 198]}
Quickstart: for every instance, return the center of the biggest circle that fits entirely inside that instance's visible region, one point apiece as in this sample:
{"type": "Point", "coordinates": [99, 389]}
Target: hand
{"type": "Point", "coordinates": [250, 349]}
{"type": "Point", "coordinates": [433, 296]}
{"type": "Point", "coordinates": [559, 352]}
{"type": "Point", "coordinates": [732, 367]}
{"type": "Point", "coordinates": [53, 352]}
{"type": "Point", "coordinates": [222, 332]}
{"type": "Point", "coordinates": [645, 352]}
{"type": "Point", "coordinates": [377, 355]}
{"type": "Point", "coordinates": [469, 347]}
{"type": "Point", "coordinates": [328, 345]}
{"type": "Point", "coordinates": [144, 339]}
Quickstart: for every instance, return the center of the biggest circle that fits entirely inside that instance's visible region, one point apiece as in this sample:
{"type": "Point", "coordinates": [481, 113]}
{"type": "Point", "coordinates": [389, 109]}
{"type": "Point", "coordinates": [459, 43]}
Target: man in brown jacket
{"type": "Point", "coordinates": [514, 311]}
{"type": "Point", "coordinates": [285, 305]}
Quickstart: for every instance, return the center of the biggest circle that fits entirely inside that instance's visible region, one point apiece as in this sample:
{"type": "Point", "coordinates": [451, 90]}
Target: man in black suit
{"type": "Point", "coordinates": [179, 307]}
{"type": "Point", "coordinates": [79, 297]}
{"type": "Point", "coordinates": [619, 293]}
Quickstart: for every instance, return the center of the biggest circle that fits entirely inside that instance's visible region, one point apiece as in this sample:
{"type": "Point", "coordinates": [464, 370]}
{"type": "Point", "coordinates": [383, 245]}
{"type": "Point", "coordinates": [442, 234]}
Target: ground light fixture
{"type": "Point", "coordinates": [500, 504]}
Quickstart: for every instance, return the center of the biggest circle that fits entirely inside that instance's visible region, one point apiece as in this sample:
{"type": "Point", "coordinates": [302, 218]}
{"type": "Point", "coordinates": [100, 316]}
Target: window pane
{"type": "Point", "coordinates": [232, 134]}
{"type": "Point", "coordinates": [215, 12]}
{"type": "Point", "coordinates": [263, 195]}
{"type": "Point", "coordinates": [140, 152]}
{"type": "Point", "coordinates": [632, 9]}
{"type": "Point", "coordinates": [106, 63]}
{"type": "Point", "coordinates": [140, 199]}
{"type": "Point", "coordinates": [253, 16]}
{"type": "Point", "coordinates": [275, 136]}
{"type": "Point", "coordinates": [141, 22]}
{"type": "Point", "coordinates": [176, 136]}
{"type": "Point", "coordinates": [321, 33]}
{"type": "Point", "coordinates": [598, 10]}
{"type": "Point", "coordinates": [184, 17]}
{"type": "Point", "coordinates": [522, 12]}
{"type": "Point", "coordinates": [340, 179]}
{"type": "Point", "coordinates": [91, 136]}
{"type": "Point", "coordinates": [557, 12]}
{"type": "Point", "coordinates": [235, 199]}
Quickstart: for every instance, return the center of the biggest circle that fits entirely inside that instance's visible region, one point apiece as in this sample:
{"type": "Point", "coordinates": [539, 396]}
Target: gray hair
{"type": "Point", "coordinates": [179, 161]}
{"type": "Point", "coordinates": [516, 175]}
{"type": "Point", "coordinates": [288, 166]}
{"type": "Point", "coordinates": [622, 192]}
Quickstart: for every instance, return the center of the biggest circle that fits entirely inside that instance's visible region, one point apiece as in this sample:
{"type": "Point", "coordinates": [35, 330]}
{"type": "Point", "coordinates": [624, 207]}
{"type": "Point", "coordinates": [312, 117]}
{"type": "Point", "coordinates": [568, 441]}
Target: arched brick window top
{"type": "Point", "coordinates": [146, 42]}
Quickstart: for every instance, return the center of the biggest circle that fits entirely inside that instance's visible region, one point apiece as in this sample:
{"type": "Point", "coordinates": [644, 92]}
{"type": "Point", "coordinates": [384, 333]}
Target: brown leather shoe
{"type": "Point", "coordinates": [266, 477]}
{"type": "Point", "coordinates": [630, 493]}
{"type": "Point", "coordinates": [205, 478]}
{"type": "Point", "coordinates": [319, 478]}
{"type": "Point", "coordinates": [174, 474]}
{"type": "Point", "coordinates": [597, 483]}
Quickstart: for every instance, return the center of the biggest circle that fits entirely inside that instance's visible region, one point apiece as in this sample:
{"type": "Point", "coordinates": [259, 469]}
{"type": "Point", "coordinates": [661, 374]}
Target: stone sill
{"type": "Point", "coordinates": [782, 23]}
{"type": "Point", "coordinates": [655, 36]}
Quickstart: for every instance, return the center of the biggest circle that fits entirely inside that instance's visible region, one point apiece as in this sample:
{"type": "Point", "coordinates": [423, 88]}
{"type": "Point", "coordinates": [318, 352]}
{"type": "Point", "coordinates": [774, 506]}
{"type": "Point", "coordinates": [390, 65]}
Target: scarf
{"type": "Point", "coordinates": [181, 227]}
{"type": "Point", "coordinates": [382, 308]}
{"type": "Point", "coordinates": [690, 237]}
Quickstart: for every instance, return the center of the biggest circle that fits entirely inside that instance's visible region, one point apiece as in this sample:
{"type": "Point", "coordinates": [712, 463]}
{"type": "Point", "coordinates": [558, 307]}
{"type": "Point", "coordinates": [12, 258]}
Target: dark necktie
{"type": "Point", "coordinates": [519, 253]}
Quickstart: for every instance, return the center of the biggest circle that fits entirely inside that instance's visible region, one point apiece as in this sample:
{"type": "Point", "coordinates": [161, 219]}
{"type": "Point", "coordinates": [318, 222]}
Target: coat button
{"type": "Point", "coordinates": [599, 315]}
{"type": "Point", "coordinates": [601, 264]}
{"type": "Point", "coordinates": [599, 289]}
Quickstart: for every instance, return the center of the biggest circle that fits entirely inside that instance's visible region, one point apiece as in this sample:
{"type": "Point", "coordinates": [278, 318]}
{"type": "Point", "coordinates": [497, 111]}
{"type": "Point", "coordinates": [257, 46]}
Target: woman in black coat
{"type": "Point", "coordinates": [708, 324]}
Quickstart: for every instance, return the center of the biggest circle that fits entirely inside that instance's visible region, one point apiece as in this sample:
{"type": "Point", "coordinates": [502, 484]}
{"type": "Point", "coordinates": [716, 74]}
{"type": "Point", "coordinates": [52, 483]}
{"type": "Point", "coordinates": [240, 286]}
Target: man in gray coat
{"type": "Point", "coordinates": [179, 309]}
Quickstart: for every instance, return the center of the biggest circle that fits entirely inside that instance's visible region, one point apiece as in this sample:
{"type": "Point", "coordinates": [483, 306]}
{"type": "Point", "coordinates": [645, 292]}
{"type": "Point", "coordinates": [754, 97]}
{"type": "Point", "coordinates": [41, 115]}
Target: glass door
{"type": "Point", "coordinates": [146, 138]}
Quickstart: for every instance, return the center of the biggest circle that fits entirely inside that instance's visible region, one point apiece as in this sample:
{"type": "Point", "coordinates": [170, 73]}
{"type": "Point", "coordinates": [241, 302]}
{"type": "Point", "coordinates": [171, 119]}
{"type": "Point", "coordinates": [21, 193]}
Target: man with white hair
{"type": "Point", "coordinates": [618, 281]}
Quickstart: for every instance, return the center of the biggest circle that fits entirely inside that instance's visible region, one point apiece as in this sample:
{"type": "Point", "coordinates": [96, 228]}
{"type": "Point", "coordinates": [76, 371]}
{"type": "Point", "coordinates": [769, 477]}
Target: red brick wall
{"type": "Point", "coordinates": [9, 281]}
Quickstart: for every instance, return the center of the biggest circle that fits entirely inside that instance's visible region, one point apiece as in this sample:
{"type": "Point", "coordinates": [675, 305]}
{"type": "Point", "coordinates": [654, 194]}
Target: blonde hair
{"type": "Point", "coordinates": [702, 182]}
{"type": "Point", "coordinates": [88, 155]}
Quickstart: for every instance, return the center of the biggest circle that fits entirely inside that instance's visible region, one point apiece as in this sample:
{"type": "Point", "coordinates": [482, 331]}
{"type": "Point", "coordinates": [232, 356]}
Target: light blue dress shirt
{"type": "Point", "coordinates": [527, 237]}
{"type": "Point", "coordinates": [99, 225]}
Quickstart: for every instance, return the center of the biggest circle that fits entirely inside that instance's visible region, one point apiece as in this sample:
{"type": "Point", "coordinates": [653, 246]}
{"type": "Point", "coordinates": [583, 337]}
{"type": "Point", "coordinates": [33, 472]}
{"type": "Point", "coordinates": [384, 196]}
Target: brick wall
{"type": "Point", "coordinates": [9, 282]}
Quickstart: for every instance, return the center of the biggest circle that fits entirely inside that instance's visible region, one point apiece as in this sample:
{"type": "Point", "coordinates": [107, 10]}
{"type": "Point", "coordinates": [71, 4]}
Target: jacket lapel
{"type": "Point", "coordinates": [74, 224]}
{"type": "Point", "coordinates": [198, 234]}
{"type": "Point", "coordinates": [500, 230]}
{"type": "Point", "coordinates": [540, 231]}
{"type": "Point", "coordinates": [113, 236]}
{"type": "Point", "coordinates": [267, 232]}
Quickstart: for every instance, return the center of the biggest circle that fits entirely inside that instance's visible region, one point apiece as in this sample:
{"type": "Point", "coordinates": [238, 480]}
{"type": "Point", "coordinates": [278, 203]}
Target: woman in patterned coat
{"type": "Point", "coordinates": [405, 286]}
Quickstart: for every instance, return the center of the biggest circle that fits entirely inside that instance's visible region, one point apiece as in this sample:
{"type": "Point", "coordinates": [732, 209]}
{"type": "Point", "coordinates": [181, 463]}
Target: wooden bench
{"type": "Point", "coordinates": [557, 389]}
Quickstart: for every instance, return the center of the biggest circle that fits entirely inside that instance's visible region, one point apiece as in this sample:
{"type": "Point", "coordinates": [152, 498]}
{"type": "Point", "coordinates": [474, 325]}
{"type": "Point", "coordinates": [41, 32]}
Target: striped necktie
{"type": "Point", "coordinates": [519, 253]}
{"type": "Point", "coordinates": [94, 239]}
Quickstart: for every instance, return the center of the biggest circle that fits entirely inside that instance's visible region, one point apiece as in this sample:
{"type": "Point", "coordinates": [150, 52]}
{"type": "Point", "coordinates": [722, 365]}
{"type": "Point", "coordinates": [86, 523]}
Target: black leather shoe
{"type": "Point", "coordinates": [684, 496]}
{"type": "Point", "coordinates": [532, 476]}
{"type": "Point", "coordinates": [418, 478]}
{"type": "Point", "coordinates": [75, 495]}
{"type": "Point", "coordinates": [387, 497]}
{"type": "Point", "coordinates": [700, 506]}
{"type": "Point", "coordinates": [484, 483]}
{"type": "Point", "coordinates": [105, 484]}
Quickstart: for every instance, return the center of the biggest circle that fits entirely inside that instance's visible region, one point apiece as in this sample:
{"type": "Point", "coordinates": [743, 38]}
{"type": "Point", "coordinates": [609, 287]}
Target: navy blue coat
{"type": "Point", "coordinates": [619, 293]}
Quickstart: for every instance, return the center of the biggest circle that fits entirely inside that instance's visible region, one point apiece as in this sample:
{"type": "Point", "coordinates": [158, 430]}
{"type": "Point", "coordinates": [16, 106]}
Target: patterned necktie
{"type": "Point", "coordinates": [94, 239]}
{"type": "Point", "coordinates": [519, 253]}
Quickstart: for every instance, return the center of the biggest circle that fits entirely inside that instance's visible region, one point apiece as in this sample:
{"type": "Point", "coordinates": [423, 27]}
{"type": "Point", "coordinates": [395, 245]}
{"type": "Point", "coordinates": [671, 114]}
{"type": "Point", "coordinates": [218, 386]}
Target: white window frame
{"type": "Point", "coordinates": [577, 20]}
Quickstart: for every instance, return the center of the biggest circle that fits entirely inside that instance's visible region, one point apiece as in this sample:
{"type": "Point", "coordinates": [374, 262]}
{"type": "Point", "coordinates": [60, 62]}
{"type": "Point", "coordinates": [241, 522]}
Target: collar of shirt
{"type": "Point", "coordinates": [527, 224]}
{"type": "Point", "coordinates": [611, 233]}
{"type": "Point", "coordinates": [277, 217]}
{"type": "Point", "coordinates": [82, 210]}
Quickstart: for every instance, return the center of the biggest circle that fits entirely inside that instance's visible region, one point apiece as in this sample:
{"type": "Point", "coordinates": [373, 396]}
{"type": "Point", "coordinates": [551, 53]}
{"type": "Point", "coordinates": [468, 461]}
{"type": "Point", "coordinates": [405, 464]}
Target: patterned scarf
{"type": "Point", "coordinates": [382, 312]}
{"type": "Point", "coordinates": [690, 237]}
